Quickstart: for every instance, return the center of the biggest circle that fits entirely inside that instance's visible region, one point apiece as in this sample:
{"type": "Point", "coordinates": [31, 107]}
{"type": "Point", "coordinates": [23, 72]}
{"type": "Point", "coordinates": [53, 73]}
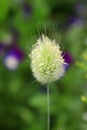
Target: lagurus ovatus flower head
{"type": "Point", "coordinates": [47, 62]}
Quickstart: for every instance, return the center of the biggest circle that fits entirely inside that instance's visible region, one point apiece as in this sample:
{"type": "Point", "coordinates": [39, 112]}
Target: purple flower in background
{"type": "Point", "coordinates": [7, 40]}
{"type": "Point", "coordinates": [68, 58]}
{"type": "Point", "coordinates": [75, 20]}
{"type": "Point", "coordinates": [72, 19]}
{"type": "Point", "coordinates": [13, 57]}
{"type": "Point", "coordinates": [27, 10]}
{"type": "Point", "coordinates": [10, 53]}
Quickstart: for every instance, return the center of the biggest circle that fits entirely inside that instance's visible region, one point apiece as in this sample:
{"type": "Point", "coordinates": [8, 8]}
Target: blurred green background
{"type": "Point", "coordinates": [23, 101]}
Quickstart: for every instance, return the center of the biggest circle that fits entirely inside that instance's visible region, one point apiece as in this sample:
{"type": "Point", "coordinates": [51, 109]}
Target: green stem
{"type": "Point", "coordinates": [48, 108]}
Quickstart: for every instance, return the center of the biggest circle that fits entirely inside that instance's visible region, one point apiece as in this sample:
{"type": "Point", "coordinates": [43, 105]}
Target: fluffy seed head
{"type": "Point", "coordinates": [47, 63]}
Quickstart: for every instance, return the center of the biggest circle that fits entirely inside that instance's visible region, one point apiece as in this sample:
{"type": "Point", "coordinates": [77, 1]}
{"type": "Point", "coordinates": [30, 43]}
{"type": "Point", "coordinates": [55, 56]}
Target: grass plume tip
{"type": "Point", "coordinates": [47, 62]}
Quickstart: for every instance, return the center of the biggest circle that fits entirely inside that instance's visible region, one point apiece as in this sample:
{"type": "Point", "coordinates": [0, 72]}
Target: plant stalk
{"type": "Point", "coordinates": [48, 108]}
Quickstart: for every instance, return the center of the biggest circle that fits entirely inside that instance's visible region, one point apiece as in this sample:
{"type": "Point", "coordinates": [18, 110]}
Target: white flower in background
{"type": "Point", "coordinates": [47, 63]}
{"type": "Point", "coordinates": [11, 62]}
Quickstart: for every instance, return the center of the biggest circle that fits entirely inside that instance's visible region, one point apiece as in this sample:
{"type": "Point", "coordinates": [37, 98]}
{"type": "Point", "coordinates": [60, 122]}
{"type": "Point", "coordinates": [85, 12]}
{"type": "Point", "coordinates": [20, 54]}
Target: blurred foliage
{"type": "Point", "coordinates": [23, 101]}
